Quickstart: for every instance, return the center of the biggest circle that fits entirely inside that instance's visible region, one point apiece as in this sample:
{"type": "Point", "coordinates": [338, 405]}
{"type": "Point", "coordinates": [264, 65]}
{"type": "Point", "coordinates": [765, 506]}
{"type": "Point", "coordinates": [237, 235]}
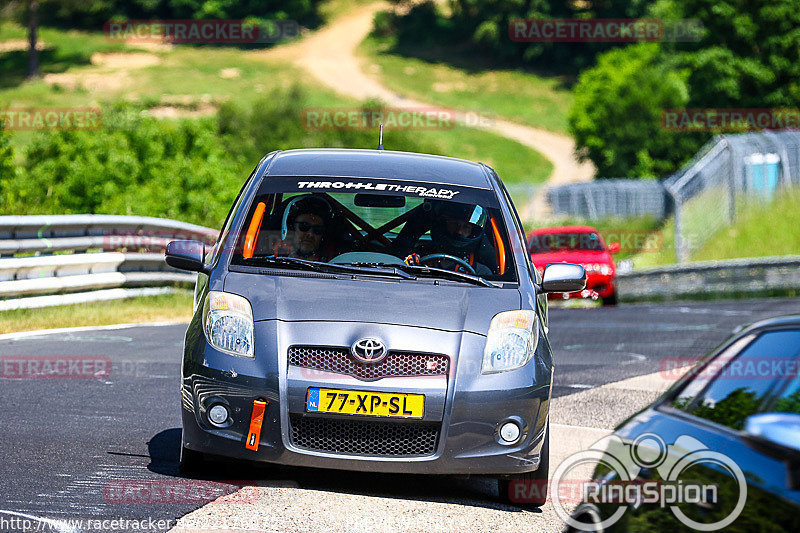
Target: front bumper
{"type": "Point", "coordinates": [465, 407]}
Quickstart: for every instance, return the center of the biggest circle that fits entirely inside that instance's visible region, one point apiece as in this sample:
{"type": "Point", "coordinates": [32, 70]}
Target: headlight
{"type": "Point", "coordinates": [512, 339]}
{"type": "Point", "coordinates": [228, 323]}
{"type": "Point", "coordinates": [605, 270]}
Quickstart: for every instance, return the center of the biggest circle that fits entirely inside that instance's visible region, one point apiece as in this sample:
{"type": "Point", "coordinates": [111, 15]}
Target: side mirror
{"type": "Point", "coordinates": [613, 247]}
{"type": "Point", "coordinates": [186, 255]}
{"type": "Point", "coordinates": [563, 277]}
{"type": "Point", "coordinates": [777, 435]}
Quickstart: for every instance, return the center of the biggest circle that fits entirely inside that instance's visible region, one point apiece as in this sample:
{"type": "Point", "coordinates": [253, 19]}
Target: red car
{"type": "Point", "coordinates": [582, 245]}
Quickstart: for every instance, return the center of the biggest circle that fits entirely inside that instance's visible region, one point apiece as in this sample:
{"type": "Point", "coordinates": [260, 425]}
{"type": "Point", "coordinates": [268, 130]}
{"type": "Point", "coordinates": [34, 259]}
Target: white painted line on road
{"type": "Point", "coordinates": [38, 332]}
{"type": "Point", "coordinates": [657, 382]}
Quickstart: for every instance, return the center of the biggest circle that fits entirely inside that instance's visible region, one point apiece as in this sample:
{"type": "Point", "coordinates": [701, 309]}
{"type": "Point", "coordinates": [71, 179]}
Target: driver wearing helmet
{"type": "Point", "coordinates": [305, 227]}
{"type": "Point", "coordinates": [458, 232]}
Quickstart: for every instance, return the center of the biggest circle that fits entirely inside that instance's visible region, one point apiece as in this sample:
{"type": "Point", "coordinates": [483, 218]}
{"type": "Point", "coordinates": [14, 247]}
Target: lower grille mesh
{"type": "Point", "coordinates": [362, 437]}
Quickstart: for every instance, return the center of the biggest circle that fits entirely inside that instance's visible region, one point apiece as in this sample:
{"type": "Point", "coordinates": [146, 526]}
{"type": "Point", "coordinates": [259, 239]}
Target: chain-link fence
{"type": "Point", "coordinates": [620, 198]}
{"type": "Point", "coordinates": [730, 172]}
{"type": "Point", "coordinates": [606, 198]}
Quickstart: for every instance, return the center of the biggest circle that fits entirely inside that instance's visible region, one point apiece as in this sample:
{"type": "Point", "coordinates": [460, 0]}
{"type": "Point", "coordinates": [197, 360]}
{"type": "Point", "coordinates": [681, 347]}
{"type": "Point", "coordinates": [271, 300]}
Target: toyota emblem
{"type": "Point", "coordinates": [368, 350]}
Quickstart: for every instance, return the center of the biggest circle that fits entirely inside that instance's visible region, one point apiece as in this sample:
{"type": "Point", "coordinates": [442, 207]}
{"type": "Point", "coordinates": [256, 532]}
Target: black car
{"type": "Point", "coordinates": [729, 430]}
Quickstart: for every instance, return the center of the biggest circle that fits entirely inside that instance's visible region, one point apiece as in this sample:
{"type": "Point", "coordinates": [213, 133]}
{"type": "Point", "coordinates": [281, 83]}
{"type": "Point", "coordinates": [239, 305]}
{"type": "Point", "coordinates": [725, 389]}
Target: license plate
{"type": "Point", "coordinates": [353, 402]}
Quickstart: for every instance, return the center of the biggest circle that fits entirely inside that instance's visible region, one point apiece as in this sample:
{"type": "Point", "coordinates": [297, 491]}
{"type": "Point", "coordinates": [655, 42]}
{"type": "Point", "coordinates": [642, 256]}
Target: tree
{"type": "Point", "coordinates": [616, 115]}
{"type": "Point", "coordinates": [748, 57]}
{"type": "Point", "coordinates": [33, 34]}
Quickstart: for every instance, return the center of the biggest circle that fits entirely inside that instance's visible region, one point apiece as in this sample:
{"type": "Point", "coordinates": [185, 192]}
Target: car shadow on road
{"type": "Point", "coordinates": [473, 491]}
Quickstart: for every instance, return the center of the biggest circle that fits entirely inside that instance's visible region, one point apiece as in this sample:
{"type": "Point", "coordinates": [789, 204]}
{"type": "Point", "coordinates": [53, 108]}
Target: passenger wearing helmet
{"type": "Point", "coordinates": [457, 231]}
{"type": "Point", "coordinates": [305, 227]}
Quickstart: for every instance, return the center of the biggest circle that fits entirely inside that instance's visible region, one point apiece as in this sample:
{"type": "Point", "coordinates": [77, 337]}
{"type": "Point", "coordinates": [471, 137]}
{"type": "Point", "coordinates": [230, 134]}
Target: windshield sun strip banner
{"type": "Point", "coordinates": [418, 189]}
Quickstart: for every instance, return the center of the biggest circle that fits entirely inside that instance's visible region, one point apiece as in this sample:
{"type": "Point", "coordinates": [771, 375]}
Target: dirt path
{"type": "Point", "coordinates": [330, 56]}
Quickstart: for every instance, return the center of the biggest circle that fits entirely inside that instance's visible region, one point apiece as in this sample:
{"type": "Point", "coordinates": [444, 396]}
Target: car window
{"type": "Point", "coordinates": [760, 378]}
{"type": "Point", "coordinates": [213, 254]}
{"type": "Point", "coordinates": [359, 220]}
{"type": "Point", "coordinates": [555, 242]}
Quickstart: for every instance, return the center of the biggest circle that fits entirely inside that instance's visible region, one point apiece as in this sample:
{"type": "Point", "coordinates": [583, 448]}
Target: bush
{"type": "Point", "coordinates": [187, 170]}
{"type": "Point", "coordinates": [136, 165]}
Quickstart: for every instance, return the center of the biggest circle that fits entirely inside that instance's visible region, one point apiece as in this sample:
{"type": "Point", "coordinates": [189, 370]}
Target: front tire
{"type": "Point", "coordinates": [530, 488]}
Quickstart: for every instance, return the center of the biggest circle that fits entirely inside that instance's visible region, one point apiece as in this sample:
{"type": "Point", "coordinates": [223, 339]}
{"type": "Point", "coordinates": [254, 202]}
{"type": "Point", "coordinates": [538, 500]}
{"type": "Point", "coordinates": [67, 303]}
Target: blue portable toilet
{"type": "Point", "coordinates": [761, 171]}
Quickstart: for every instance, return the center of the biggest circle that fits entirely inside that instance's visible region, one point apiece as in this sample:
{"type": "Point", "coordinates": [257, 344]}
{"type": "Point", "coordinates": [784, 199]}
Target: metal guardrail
{"type": "Point", "coordinates": [44, 268]}
{"type": "Point", "coordinates": [27, 278]}
{"type": "Point", "coordinates": [762, 275]}
{"type": "Point", "coordinates": [78, 233]}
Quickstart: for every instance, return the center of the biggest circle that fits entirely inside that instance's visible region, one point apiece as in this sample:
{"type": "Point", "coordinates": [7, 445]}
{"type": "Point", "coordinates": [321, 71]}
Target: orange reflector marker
{"type": "Point", "coordinates": [501, 248]}
{"type": "Point", "coordinates": [254, 435]}
{"type": "Point", "coordinates": [252, 231]}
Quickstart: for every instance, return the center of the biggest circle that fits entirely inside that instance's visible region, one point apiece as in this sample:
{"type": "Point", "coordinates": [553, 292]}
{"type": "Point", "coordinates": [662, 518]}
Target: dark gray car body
{"type": "Point", "coordinates": [464, 407]}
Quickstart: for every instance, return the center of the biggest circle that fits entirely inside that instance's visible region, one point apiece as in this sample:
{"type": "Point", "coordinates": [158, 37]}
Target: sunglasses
{"type": "Point", "coordinates": [455, 225]}
{"type": "Point", "coordinates": [305, 227]}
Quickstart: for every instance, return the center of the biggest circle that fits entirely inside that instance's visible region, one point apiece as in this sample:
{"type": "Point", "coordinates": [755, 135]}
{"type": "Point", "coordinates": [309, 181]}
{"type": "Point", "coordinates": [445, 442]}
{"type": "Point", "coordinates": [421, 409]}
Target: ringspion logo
{"type": "Point", "coordinates": [668, 485]}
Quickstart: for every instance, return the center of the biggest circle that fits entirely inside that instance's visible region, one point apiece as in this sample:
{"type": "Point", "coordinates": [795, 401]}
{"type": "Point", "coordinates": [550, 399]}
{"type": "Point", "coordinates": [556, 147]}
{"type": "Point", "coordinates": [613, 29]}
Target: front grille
{"type": "Point", "coordinates": [396, 364]}
{"type": "Point", "coordinates": [362, 437]}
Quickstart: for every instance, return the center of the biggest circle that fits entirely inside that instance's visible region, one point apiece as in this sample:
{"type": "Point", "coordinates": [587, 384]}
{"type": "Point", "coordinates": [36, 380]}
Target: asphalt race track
{"type": "Point", "coordinates": [69, 445]}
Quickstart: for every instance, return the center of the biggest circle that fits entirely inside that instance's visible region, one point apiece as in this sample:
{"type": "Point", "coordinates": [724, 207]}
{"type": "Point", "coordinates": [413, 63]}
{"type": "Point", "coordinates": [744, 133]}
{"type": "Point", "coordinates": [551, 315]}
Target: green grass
{"type": "Point", "coordinates": [62, 50]}
{"type": "Point", "coordinates": [761, 229]}
{"type": "Point", "coordinates": [189, 78]}
{"type": "Point", "coordinates": [173, 307]}
{"type": "Point", "coordinates": [514, 162]}
{"type": "Point", "coordinates": [665, 254]}
{"type": "Point", "coordinates": [515, 95]}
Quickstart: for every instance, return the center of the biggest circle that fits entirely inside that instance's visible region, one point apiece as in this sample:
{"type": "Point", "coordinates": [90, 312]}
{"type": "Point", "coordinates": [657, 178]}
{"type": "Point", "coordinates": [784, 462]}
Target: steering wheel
{"type": "Point", "coordinates": [458, 260]}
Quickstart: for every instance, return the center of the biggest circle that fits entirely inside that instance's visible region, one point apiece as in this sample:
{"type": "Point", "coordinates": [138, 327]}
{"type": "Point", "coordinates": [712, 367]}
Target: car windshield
{"type": "Point", "coordinates": [371, 223]}
{"type": "Point", "coordinates": [559, 242]}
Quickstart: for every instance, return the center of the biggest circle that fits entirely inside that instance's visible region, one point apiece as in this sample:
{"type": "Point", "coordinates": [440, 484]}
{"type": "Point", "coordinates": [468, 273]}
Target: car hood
{"type": "Point", "coordinates": [576, 256]}
{"type": "Point", "coordinates": [447, 306]}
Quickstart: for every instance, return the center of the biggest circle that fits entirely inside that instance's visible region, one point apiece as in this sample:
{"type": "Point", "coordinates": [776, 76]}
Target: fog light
{"type": "Point", "coordinates": [218, 414]}
{"type": "Point", "coordinates": [509, 432]}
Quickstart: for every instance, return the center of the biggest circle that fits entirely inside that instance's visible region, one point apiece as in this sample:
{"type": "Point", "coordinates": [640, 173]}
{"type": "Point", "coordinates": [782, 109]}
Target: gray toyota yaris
{"type": "Point", "coordinates": [371, 310]}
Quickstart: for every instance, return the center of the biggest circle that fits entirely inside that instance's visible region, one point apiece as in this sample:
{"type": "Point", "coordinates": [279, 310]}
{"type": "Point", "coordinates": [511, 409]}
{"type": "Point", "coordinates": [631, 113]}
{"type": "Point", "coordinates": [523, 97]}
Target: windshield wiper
{"type": "Point", "coordinates": [421, 269]}
{"type": "Point", "coordinates": [321, 266]}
